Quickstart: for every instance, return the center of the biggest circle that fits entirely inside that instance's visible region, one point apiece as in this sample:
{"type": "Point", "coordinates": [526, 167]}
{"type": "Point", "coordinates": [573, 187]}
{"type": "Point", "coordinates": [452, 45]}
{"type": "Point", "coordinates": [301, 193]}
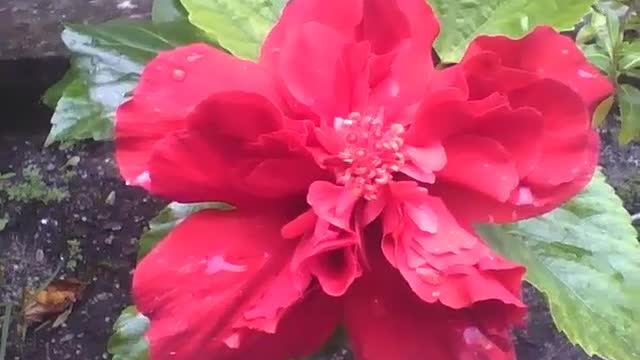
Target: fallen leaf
{"type": "Point", "coordinates": [52, 301]}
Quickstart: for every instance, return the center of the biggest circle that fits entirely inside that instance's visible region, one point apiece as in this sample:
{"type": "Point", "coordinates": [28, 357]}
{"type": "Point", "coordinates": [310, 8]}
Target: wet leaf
{"type": "Point", "coordinates": [167, 11]}
{"type": "Point", "coordinates": [169, 218]}
{"type": "Point", "coordinates": [629, 103]}
{"type": "Point", "coordinates": [240, 26]}
{"type": "Point", "coordinates": [585, 258]}
{"type": "Point", "coordinates": [107, 61]}
{"type": "Point", "coordinates": [51, 301]}
{"type": "Point", "coordinates": [128, 341]}
{"type": "Point", "coordinates": [463, 20]}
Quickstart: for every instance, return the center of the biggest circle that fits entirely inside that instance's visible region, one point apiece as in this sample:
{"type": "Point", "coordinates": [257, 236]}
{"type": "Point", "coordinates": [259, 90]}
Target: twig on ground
{"type": "Point", "coordinates": [4, 337]}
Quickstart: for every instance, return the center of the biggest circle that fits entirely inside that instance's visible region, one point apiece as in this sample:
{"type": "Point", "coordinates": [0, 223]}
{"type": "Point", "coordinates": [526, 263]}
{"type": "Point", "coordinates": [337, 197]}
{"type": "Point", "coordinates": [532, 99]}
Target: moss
{"type": "Point", "coordinates": [74, 249]}
{"type": "Point", "coordinates": [31, 188]}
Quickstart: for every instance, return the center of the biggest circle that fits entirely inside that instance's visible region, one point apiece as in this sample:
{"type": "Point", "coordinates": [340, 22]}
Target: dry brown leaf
{"type": "Point", "coordinates": [52, 301]}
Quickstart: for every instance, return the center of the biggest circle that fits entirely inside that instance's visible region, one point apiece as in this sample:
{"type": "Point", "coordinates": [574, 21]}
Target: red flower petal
{"type": "Point", "coordinates": [332, 203]}
{"type": "Point", "coordinates": [312, 70]}
{"type": "Point", "coordinates": [519, 131]}
{"type": "Point", "coordinates": [548, 54]}
{"type": "Point", "coordinates": [402, 83]}
{"type": "Point", "coordinates": [232, 150]}
{"type": "Point", "coordinates": [220, 284]}
{"type": "Point", "coordinates": [329, 254]}
{"type": "Point", "coordinates": [567, 127]}
{"type": "Point", "coordinates": [386, 23]}
{"type": "Point", "coordinates": [341, 16]}
{"type": "Point", "coordinates": [481, 164]}
{"type": "Point", "coordinates": [383, 23]}
{"type": "Point", "coordinates": [386, 320]}
{"type": "Point", "coordinates": [170, 87]}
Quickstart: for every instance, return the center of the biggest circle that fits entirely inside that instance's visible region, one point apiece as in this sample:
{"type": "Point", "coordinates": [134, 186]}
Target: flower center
{"type": "Point", "coordinates": [373, 152]}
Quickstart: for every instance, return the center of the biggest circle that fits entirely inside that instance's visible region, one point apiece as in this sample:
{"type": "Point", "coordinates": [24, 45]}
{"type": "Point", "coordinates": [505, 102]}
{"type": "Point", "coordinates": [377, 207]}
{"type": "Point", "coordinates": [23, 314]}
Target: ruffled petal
{"type": "Point", "coordinates": [233, 150]}
{"type": "Point", "coordinates": [332, 203]}
{"type": "Point", "coordinates": [550, 55]}
{"type": "Point", "coordinates": [330, 254]}
{"type": "Point", "coordinates": [445, 262]}
{"type": "Point", "coordinates": [220, 284]}
{"type": "Point", "coordinates": [567, 157]}
{"type": "Point", "coordinates": [386, 320]}
{"type": "Point", "coordinates": [171, 86]}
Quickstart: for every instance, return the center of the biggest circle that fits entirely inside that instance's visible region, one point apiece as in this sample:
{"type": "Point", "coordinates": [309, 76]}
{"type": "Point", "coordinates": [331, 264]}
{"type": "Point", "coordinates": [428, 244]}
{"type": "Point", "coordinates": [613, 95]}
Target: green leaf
{"type": "Point", "coordinates": [128, 341]}
{"type": "Point", "coordinates": [107, 61]}
{"type": "Point", "coordinates": [629, 103]}
{"type": "Point", "coordinates": [598, 57]}
{"type": "Point", "coordinates": [630, 56]}
{"type": "Point", "coordinates": [169, 218]}
{"type": "Point", "coordinates": [603, 109]}
{"type": "Point", "coordinates": [55, 93]}
{"type": "Point", "coordinates": [240, 26]}
{"type": "Point", "coordinates": [585, 258]}
{"type": "Point", "coordinates": [4, 221]}
{"type": "Point", "coordinates": [463, 20]}
{"type": "Point", "coordinates": [167, 11]}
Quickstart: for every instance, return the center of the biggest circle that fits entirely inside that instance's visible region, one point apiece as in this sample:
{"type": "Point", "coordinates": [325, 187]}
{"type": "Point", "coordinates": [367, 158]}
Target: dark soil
{"type": "Point", "coordinates": [36, 242]}
{"type": "Point", "coordinates": [106, 233]}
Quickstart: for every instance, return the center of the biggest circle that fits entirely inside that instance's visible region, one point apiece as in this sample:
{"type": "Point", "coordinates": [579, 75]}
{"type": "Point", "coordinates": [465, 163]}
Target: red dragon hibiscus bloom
{"type": "Point", "coordinates": [356, 169]}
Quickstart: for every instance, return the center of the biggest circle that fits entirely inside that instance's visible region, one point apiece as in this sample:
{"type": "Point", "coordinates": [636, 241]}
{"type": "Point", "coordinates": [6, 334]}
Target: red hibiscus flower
{"type": "Point", "coordinates": [356, 169]}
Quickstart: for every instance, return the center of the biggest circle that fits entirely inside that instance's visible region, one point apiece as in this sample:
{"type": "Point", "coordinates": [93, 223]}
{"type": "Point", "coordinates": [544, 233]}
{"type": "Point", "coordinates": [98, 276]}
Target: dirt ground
{"type": "Point", "coordinates": [92, 218]}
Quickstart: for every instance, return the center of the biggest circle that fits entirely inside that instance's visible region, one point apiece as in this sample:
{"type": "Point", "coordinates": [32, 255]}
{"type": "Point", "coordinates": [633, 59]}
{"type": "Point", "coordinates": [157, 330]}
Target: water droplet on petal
{"type": "Point", "coordinates": [194, 57]}
{"type": "Point", "coordinates": [565, 51]}
{"type": "Point", "coordinates": [178, 75]}
{"type": "Point", "coordinates": [233, 341]}
{"type": "Point", "coordinates": [436, 294]}
{"type": "Point", "coordinates": [586, 74]}
{"type": "Point", "coordinates": [218, 264]}
{"type": "Point", "coordinates": [142, 180]}
{"type": "Point", "coordinates": [429, 275]}
{"type": "Point", "coordinates": [525, 196]}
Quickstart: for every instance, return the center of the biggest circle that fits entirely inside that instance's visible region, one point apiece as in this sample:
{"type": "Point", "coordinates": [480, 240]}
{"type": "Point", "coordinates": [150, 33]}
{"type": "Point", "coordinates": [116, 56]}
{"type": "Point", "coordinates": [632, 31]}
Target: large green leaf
{"type": "Point", "coordinates": [240, 26]}
{"type": "Point", "coordinates": [629, 103]}
{"type": "Point", "coordinates": [107, 61]}
{"type": "Point", "coordinates": [128, 341]}
{"type": "Point", "coordinates": [169, 218]}
{"type": "Point", "coordinates": [463, 20]}
{"type": "Point", "coordinates": [585, 258]}
{"type": "Point", "coordinates": [630, 56]}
